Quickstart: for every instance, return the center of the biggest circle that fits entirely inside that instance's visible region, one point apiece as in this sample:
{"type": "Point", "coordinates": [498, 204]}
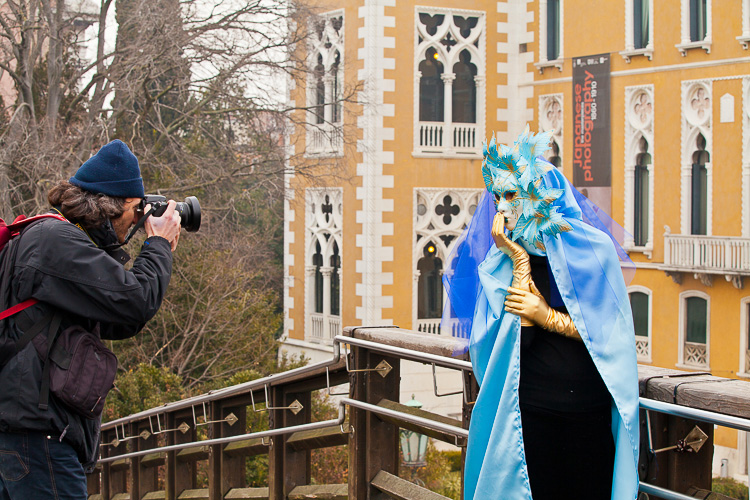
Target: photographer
{"type": "Point", "coordinates": [74, 268]}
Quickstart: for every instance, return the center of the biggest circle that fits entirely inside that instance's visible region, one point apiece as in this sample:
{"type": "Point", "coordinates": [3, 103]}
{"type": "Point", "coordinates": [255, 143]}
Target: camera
{"type": "Point", "coordinates": [189, 210]}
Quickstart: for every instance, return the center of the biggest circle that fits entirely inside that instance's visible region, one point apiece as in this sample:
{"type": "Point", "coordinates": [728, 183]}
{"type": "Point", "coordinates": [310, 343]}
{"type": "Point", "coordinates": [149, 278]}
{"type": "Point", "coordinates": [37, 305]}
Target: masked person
{"type": "Point", "coordinates": [74, 268]}
{"type": "Point", "coordinates": [552, 342]}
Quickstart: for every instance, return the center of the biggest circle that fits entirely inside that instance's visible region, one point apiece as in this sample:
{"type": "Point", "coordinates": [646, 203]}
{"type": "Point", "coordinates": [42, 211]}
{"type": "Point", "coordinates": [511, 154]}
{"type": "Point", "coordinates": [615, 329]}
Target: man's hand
{"type": "Point", "coordinates": [167, 226]}
{"type": "Point", "coordinates": [527, 305]}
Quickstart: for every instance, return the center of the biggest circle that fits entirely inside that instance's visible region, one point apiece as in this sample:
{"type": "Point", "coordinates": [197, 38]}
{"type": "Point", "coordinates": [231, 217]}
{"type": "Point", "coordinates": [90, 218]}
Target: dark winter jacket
{"type": "Point", "coordinates": [63, 267]}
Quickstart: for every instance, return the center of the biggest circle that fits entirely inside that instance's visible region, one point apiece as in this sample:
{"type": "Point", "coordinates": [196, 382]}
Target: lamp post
{"type": "Point", "coordinates": [413, 444]}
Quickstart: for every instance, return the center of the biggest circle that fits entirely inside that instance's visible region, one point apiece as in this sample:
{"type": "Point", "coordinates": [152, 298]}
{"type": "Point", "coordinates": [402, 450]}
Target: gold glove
{"type": "Point", "coordinates": [518, 255]}
{"type": "Point", "coordinates": [534, 308]}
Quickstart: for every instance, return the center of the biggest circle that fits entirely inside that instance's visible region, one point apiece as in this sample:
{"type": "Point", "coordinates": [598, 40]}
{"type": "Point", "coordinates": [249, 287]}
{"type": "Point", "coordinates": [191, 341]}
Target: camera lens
{"type": "Point", "coordinates": [190, 214]}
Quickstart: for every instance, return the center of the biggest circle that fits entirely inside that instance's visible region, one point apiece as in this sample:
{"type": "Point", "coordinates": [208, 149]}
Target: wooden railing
{"type": "Point", "coordinates": [199, 447]}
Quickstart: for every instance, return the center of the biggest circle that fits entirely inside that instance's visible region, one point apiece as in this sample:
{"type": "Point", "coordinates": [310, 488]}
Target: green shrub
{"type": "Point", "coordinates": [729, 487]}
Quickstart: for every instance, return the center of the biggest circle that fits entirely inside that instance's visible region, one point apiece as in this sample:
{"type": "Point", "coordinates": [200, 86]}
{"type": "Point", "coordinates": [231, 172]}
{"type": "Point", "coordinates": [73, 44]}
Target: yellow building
{"type": "Point", "coordinates": [432, 80]}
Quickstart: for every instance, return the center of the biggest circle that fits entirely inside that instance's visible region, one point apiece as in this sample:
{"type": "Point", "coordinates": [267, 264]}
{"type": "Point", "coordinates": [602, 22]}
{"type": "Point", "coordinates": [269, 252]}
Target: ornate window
{"type": "Point", "coordinates": [551, 118]}
{"type": "Point", "coordinates": [325, 80]}
{"type": "Point", "coordinates": [639, 29]}
{"type": "Point", "coordinates": [324, 211]}
{"type": "Point", "coordinates": [696, 174]}
{"type": "Point", "coordinates": [550, 34]}
{"type": "Point", "coordinates": [694, 329]}
{"type": "Point", "coordinates": [450, 78]}
{"type": "Point", "coordinates": [640, 304]}
{"type": "Point", "coordinates": [699, 188]}
{"type": "Point", "coordinates": [440, 217]}
{"type": "Point", "coordinates": [695, 26]}
{"type": "Point", "coordinates": [639, 179]}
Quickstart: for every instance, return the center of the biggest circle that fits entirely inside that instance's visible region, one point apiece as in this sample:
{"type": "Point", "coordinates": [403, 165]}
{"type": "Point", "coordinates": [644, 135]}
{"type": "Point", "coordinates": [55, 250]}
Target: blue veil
{"type": "Point", "coordinates": [585, 263]}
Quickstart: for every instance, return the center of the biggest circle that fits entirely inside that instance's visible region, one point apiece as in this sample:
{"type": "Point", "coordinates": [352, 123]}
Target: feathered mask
{"type": "Point", "coordinates": [514, 176]}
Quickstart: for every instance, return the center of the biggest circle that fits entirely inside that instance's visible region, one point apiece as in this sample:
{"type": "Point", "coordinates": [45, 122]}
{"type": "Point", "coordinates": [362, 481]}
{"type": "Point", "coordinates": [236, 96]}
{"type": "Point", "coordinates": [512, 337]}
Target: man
{"type": "Point", "coordinates": [76, 268]}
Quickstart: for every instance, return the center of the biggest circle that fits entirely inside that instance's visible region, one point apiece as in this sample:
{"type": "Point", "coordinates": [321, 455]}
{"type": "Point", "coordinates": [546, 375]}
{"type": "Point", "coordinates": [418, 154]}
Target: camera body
{"type": "Point", "coordinates": [189, 210]}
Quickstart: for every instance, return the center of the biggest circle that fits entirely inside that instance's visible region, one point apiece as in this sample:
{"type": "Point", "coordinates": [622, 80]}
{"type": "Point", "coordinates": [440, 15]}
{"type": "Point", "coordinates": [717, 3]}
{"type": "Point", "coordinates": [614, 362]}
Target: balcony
{"type": "Point", "coordinates": [324, 328]}
{"type": "Point", "coordinates": [324, 139]}
{"type": "Point", "coordinates": [442, 138]}
{"type": "Point", "coordinates": [706, 256]}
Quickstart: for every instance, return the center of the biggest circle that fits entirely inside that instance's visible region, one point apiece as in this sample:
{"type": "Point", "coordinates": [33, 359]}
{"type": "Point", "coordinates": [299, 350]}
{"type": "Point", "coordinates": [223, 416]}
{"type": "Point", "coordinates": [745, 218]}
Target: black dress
{"type": "Point", "coordinates": [565, 410]}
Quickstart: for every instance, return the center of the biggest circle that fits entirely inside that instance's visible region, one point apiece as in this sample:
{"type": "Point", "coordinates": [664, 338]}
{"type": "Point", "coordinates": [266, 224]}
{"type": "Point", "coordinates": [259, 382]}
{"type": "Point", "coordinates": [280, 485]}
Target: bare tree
{"type": "Point", "coordinates": [197, 89]}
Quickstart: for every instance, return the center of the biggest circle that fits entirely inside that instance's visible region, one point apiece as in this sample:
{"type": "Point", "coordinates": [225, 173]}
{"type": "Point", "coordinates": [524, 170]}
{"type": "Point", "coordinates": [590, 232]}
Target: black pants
{"type": "Point", "coordinates": [570, 456]}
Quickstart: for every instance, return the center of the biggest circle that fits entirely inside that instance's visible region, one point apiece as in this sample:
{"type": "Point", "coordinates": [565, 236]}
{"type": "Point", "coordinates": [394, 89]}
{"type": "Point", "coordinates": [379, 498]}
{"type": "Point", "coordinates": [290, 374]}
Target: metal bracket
{"type": "Point", "coordinates": [349, 429]}
{"type": "Point", "coordinates": [692, 443]}
{"type": "Point", "coordinates": [434, 383]}
{"type": "Point", "coordinates": [295, 407]}
{"type": "Point", "coordinates": [231, 419]}
{"type": "Point", "coordinates": [383, 368]}
{"type": "Point", "coordinates": [183, 427]}
{"type": "Point", "coordinates": [117, 439]}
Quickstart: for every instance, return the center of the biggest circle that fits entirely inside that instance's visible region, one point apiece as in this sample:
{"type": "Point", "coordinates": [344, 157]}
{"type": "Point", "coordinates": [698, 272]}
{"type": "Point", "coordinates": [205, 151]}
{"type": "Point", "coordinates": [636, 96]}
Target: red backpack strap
{"type": "Point", "coordinates": [6, 233]}
{"type": "Point", "coordinates": [17, 308]}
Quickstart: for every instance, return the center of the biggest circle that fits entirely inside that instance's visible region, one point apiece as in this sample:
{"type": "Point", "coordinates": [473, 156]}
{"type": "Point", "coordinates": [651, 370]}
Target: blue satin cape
{"type": "Point", "coordinates": [587, 271]}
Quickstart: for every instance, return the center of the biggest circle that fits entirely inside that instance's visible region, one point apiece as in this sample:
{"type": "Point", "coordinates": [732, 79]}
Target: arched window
{"type": "Point", "coordinates": [695, 328]}
{"type": "Point", "coordinates": [695, 320]}
{"type": "Point", "coordinates": [642, 161]}
{"type": "Point", "coordinates": [431, 91]}
{"type": "Point", "coordinates": [336, 88]}
{"type": "Point", "coordinates": [698, 20]}
{"type": "Point", "coordinates": [640, 304]}
{"type": "Point", "coordinates": [464, 90]}
{"type": "Point", "coordinates": [449, 111]}
{"type": "Point", "coordinates": [699, 188]}
{"type": "Point", "coordinates": [553, 29]}
{"type": "Point", "coordinates": [320, 91]}
{"type": "Point", "coordinates": [335, 281]}
{"type": "Point", "coordinates": [317, 261]}
{"type": "Point", "coordinates": [430, 286]}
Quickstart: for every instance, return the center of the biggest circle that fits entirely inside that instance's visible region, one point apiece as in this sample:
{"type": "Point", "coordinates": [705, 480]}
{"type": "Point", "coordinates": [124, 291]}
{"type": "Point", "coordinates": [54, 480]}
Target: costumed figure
{"type": "Point", "coordinates": [552, 342]}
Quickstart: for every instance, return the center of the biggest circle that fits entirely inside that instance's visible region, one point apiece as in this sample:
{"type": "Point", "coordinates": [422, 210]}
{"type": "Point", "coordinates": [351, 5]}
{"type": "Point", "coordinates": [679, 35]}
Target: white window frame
{"type": "Point", "coordinates": [543, 61]}
{"type": "Point", "coordinates": [685, 43]}
{"type": "Point", "coordinates": [447, 148]}
{"type": "Point", "coordinates": [433, 197]}
{"type": "Point", "coordinates": [325, 139]}
{"type": "Point", "coordinates": [744, 38]}
{"type": "Point", "coordinates": [682, 325]}
{"type": "Point", "coordinates": [649, 346]}
{"type": "Point", "coordinates": [322, 327]}
{"type": "Point", "coordinates": [744, 360]}
{"type": "Point", "coordinates": [692, 125]}
{"type": "Point", "coordinates": [630, 50]}
{"type": "Point", "coordinates": [634, 130]}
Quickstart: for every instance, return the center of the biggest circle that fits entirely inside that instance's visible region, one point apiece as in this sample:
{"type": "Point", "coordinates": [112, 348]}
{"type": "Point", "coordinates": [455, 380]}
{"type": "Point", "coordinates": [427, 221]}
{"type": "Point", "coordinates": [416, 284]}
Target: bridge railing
{"type": "Point", "coordinates": [199, 447]}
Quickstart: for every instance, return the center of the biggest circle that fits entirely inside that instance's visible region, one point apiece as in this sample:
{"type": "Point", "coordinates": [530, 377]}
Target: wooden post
{"type": "Point", "coordinates": [144, 479]}
{"type": "Point", "coordinates": [94, 482]}
{"type": "Point", "coordinates": [287, 468]}
{"type": "Point", "coordinates": [179, 476]}
{"type": "Point", "coordinates": [471, 391]}
{"type": "Point", "coordinates": [375, 444]}
{"type": "Point", "coordinates": [225, 472]}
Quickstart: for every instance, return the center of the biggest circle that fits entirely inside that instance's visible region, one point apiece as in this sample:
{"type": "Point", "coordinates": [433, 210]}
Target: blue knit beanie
{"type": "Point", "coordinates": [113, 171]}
